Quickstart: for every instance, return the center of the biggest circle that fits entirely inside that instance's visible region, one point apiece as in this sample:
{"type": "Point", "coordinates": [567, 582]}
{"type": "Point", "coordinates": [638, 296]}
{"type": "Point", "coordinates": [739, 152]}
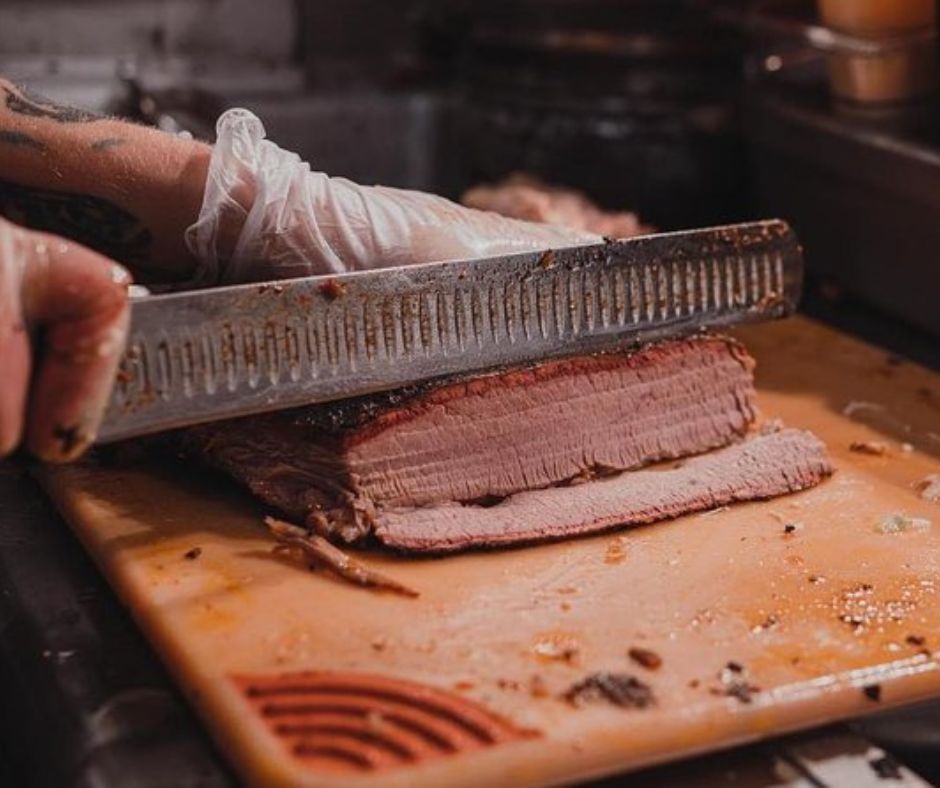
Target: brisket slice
{"type": "Point", "coordinates": [338, 467]}
{"type": "Point", "coordinates": [523, 197]}
{"type": "Point", "coordinates": [762, 467]}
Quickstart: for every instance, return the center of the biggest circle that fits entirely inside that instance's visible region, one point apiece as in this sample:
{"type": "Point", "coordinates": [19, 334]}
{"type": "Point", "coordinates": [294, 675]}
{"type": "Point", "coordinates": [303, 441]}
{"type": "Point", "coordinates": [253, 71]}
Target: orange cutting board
{"type": "Point", "coordinates": [304, 680]}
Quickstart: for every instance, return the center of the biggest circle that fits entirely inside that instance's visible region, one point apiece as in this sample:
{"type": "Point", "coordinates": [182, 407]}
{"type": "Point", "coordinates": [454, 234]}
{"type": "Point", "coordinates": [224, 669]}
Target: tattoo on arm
{"type": "Point", "coordinates": [20, 139]}
{"type": "Point", "coordinates": [107, 143]}
{"type": "Point", "coordinates": [23, 102]}
{"type": "Point", "coordinates": [98, 224]}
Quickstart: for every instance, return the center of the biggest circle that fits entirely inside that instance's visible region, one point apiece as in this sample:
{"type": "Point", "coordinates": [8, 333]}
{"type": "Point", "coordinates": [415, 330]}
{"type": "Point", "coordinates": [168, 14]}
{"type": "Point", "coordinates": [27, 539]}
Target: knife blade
{"type": "Point", "coordinates": [232, 351]}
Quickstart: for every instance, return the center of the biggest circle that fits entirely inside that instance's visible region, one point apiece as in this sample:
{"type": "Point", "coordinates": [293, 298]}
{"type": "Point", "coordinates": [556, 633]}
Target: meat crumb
{"type": "Point", "coordinates": [741, 691]}
{"type": "Point", "coordinates": [859, 589]}
{"type": "Point", "coordinates": [332, 289]}
{"type": "Point", "coordinates": [620, 689]}
{"type": "Point", "coordinates": [898, 522]}
{"type": "Point", "coordinates": [379, 643]}
{"type": "Point", "coordinates": [856, 622]}
{"type": "Point", "coordinates": [872, 692]}
{"type": "Point", "coordinates": [873, 448]}
{"type": "Point", "coordinates": [645, 658]}
{"type": "Point", "coordinates": [886, 768]}
{"type": "Point", "coordinates": [928, 488]}
{"type": "Point", "coordinates": [790, 528]}
{"type": "Point", "coordinates": [915, 640]}
{"type": "Point", "coordinates": [293, 539]}
{"type": "Point", "coordinates": [768, 623]}
{"type": "Point", "coordinates": [192, 554]}
{"type": "Point", "coordinates": [734, 683]}
{"type": "Point", "coordinates": [561, 648]}
{"type": "Point", "coordinates": [537, 687]}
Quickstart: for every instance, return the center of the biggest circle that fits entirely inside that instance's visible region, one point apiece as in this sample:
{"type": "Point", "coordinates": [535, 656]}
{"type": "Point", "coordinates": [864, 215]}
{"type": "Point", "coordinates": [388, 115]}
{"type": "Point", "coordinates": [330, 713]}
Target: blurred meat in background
{"type": "Point", "coordinates": [633, 102]}
{"type": "Point", "coordinates": [523, 197]}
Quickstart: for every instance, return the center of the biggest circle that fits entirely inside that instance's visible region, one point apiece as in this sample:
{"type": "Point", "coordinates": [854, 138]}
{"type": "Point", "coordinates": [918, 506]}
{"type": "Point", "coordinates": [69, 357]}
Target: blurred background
{"type": "Point", "coordinates": [686, 112]}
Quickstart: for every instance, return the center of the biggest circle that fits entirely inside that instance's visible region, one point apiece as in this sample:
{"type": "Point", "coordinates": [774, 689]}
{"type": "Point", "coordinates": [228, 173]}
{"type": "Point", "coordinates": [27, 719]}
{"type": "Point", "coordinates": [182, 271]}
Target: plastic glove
{"type": "Point", "coordinates": [265, 215]}
{"type": "Point", "coordinates": [79, 300]}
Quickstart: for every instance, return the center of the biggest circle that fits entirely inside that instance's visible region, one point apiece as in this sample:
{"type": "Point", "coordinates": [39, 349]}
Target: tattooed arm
{"type": "Point", "coordinates": [122, 189]}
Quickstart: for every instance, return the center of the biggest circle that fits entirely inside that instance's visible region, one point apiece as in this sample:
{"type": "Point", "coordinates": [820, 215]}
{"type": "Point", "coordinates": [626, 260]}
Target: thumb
{"type": "Point", "coordinates": [79, 300]}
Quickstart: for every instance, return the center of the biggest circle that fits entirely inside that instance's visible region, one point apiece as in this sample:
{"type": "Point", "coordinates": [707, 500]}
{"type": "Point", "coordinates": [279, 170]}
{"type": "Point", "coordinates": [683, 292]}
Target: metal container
{"type": "Point", "coordinates": [906, 66]}
{"type": "Point", "coordinates": [877, 16]}
{"type": "Point", "coordinates": [862, 191]}
{"type": "Point", "coordinates": [894, 76]}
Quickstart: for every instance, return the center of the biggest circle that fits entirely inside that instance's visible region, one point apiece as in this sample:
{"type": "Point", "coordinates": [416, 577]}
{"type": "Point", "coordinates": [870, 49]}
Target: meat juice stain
{"type": "Point", "coordinates": [616, 552]}
{"type": "Point", "coordinates": [210, 617]}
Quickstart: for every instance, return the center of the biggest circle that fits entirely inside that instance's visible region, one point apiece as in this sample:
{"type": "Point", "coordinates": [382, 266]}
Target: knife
{"type": "Point", "coordinates": [232, 351]}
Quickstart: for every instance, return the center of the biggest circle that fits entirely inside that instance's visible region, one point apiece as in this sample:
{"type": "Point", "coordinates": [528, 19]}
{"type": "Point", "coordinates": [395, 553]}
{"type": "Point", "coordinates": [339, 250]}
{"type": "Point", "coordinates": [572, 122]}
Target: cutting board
{"type": "Point", "coordinates": [766, 617]}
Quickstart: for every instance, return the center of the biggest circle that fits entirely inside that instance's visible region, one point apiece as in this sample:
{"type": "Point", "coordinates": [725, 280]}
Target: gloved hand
{"type": "Point", "coordinates": [266, 215]}
{"type": "Point", "coordinates": [77, 301]}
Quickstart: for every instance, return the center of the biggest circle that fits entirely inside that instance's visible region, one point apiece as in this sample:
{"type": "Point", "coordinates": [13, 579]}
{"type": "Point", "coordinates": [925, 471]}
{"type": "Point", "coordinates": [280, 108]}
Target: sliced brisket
{"type": "Point", "coordinates": [762, 467]}
{"type": "Point", "coordinates": [351, 467]}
